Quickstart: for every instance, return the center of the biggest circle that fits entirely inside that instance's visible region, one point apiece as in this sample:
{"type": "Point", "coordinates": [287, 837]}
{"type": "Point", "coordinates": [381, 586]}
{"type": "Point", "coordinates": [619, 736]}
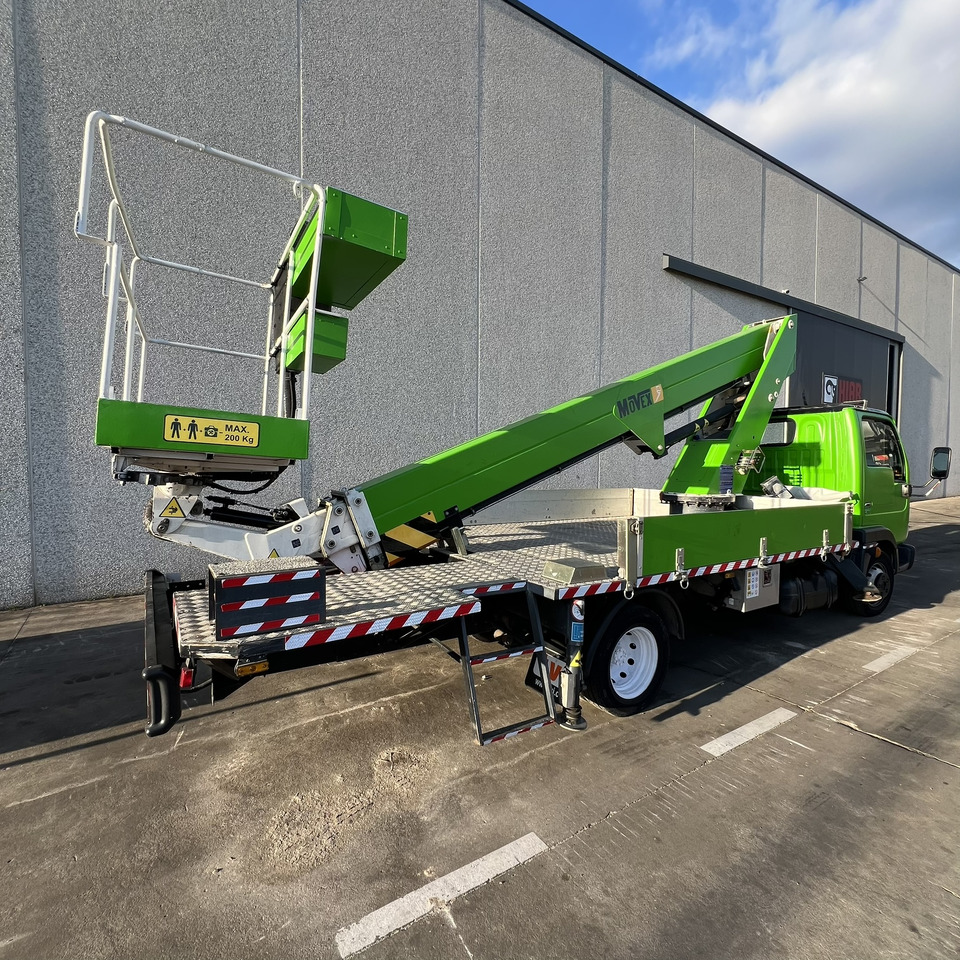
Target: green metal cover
{"type": "Point", "coordinates": [363, 243]}
{"type": "Point", "coordinates": [149, 426]}
{"type": "Point", "coordinates": [329, 343]}
{"type": "Point", "coordinates": [708, 538]}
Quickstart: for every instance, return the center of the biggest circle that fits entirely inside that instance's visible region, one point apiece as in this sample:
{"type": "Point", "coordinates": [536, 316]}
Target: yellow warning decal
{"type": "Point", "coordinates": [273, 554]}
{"type": "Point", "coordinates": [205, 430]}
{"type": "Point", "coordinates": [657, 392]}
{"type": "Point", "coordinates": [173, 510]}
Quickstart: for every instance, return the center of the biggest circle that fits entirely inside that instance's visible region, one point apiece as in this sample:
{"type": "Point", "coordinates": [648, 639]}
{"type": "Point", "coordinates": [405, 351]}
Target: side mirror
{"type": "Point", "coordinates": [940, 463]}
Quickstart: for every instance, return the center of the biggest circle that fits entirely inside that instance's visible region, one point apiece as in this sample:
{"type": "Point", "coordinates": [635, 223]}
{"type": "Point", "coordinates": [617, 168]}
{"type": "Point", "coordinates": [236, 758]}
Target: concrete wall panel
{"type": "Point", "coordinates": [878, 292]}
{"type": "Point", "coordinates": [727, 190]}
{"type": "Point", "coordinates": [838, 257]}
{"type": "Point", "coordinates": [390, 113]}
{"type": "Point", "coordinates": [789, 234]}
{"type": "Point", "coordinates": [16, 572]}
{"type": "Point", "coordinates": [540, 237]}
{"type": "Point", "coordinates": [648, 188]}
{"type": "Point", "coordinates": [926, 306]}
{"type": "Point", "coordinates": [225, 75]}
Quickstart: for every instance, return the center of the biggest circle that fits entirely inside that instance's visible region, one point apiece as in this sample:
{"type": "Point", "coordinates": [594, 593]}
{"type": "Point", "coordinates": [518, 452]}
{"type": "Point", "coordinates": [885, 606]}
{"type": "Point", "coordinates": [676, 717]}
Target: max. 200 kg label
{"type": "Point", "coordinates": [229, 433]}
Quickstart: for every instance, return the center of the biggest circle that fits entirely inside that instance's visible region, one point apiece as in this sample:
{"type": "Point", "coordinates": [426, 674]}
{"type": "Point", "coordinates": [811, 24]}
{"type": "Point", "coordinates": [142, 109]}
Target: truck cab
{"type": "Point", "coordinates": [852, 449]}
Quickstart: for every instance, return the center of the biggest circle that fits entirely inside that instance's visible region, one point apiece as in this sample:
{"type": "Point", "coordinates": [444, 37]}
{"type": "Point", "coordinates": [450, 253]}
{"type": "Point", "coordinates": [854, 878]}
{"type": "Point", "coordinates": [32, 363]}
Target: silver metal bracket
{"type": "Point", "coordinates": [683, 575]}
{"type": "Point", "coordinates": [763, 558]}
{"type": "Point", "coordinates": [460, 542]}
{"type": "Point", "coordinates": [350, 539]}
{"type": "Point", "coordinates": [750, 460]}
{"type": "Point", "coordinates": [629, 552]}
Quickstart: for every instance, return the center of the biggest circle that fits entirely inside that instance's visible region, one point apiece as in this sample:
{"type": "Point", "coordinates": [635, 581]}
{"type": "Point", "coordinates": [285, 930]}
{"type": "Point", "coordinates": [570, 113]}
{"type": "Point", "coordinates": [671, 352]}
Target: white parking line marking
{"type": "Point", "coordinates": [747, 732]}
{"type": "Point", "coordinates": [405, 910]}
{"type": "Point", "coordinates": [889, 659]}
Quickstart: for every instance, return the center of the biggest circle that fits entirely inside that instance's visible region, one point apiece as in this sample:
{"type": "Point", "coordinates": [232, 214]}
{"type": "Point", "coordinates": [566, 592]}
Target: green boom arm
{"type": "Point", "coordinates": [481, 471]}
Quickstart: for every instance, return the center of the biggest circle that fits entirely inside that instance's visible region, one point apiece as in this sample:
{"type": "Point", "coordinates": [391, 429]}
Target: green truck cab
{"type": "Point", "coordinates": [858, 450]}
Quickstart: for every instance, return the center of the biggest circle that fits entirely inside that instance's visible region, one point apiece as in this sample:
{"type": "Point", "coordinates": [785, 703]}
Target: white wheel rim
{"type": "Point", "coordinates": [634, 662]}
{"type": "Point", "coordinates": [878, 576]}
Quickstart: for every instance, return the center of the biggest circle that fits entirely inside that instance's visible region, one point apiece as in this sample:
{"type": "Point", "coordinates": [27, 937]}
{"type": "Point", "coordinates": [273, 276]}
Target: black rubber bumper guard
{"type": "Point", "coordinates": [161, 658]}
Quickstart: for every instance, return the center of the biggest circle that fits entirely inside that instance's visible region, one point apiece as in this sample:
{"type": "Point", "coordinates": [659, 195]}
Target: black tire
{"type": "Point", "coordinates": [627, 661]}
{"type": "Point", "coordinates": [880, 570]}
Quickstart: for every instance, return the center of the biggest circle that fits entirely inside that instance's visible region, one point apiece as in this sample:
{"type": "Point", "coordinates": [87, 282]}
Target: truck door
{"type": "Point", "coordinates": [884, 474]}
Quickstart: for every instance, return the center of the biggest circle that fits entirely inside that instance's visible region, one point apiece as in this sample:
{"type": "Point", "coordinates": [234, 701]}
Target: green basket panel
{"type": "Point", "coordinates": [329, 343]}
{"type": "Point", "coordinates": [363, 243]}
{"type": "Point", "coordinates": [149, 426]}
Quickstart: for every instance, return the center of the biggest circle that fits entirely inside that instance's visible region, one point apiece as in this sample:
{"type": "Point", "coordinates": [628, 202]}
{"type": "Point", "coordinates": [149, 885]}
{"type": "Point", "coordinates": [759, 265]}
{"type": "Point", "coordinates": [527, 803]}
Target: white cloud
{"type": "Point", "coordinates": [864, 101]}
{"type": "Point", "coordinates": [697, 35]}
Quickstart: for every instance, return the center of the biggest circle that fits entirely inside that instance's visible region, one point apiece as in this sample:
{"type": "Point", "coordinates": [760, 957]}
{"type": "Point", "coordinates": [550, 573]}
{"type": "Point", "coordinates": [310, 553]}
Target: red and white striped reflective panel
{"type": "Point", "coordinates": [348, 631]}
{"type": "Point", "coordinates": [496, 588]}
{"type": "Point", "coordinates": [261, 578]}
{"type": "Point", "coordinates": [267, 626]}
{"type": "Point", "coordinates": [590, 590]}
{"type": "Point", "coordinates": [516, 733]}
{"type": "Point", "coordinates": [493, 657]}
{"type": "Point", "coordinates": [609, 586]}
{"type": "Point", "coordinates": [734, 565]}
{"type": "Point", "coordinates": [268, 601]}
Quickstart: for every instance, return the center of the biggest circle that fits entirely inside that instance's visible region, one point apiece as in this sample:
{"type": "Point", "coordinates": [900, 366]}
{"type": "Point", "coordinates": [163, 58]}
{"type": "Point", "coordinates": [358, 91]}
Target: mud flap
{"type": "Point", "coordinates": [906, 554]}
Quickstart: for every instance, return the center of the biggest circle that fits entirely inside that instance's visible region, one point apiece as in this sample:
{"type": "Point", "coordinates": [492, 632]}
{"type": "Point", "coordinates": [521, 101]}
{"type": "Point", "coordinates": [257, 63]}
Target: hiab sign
{"type": "Point", "coordinates": [841, 389]}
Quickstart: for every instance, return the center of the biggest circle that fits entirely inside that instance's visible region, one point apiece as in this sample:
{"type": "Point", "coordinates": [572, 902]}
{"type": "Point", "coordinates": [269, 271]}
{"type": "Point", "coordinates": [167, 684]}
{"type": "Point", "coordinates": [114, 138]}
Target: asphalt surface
{"type": "Point", "coordinates": [315, 810]}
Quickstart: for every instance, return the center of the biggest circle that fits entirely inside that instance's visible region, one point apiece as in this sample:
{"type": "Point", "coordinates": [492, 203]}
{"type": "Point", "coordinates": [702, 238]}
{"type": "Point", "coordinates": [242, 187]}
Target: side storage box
{"type": "Point", "coordinates": [329, 343]}
{"type": "Point", "coordinates": [363, 243]}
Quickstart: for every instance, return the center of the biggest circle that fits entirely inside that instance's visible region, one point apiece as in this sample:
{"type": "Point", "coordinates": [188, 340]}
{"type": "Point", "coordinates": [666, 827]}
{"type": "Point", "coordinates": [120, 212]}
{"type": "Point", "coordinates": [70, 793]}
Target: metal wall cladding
{"type": "Point", "coordinates": [543, 187]}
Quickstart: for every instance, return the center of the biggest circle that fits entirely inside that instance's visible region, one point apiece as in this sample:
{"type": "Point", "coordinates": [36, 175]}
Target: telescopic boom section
{"type": "Point", "coordinates": [472, 475]}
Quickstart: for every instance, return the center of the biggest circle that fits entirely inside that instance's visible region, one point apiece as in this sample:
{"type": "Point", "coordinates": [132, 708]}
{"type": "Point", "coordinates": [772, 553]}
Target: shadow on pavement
{"type": "Point", "coordinates": [86, 678]}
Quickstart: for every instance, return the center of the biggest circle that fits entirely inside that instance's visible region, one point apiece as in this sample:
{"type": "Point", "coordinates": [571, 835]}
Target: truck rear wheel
{"type": "Point", "coordinates": [880, 571]}
{"type": "Point", "coordinates": [627, 661]}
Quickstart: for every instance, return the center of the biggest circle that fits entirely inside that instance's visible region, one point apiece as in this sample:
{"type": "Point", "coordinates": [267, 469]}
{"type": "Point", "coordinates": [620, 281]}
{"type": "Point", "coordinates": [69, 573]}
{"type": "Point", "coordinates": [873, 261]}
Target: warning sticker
{"type": "Point", "coordinates": [173, 510]}
{"type": "Point", "coordinates": [273, 554]}
{"type": "Point", "coordinates": [228, 433]}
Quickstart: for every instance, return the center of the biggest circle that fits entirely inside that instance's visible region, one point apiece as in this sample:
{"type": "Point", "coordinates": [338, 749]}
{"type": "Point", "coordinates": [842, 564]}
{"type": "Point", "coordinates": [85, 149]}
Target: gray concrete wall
{"type": "Point", "coordinates": [543, 188]}
{"type": "Point", "coordinates": [16, 567]}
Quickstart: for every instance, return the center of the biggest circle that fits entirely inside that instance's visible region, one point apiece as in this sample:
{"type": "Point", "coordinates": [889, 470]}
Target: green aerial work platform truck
{"type": "Point", "coordinates": [765, 507]}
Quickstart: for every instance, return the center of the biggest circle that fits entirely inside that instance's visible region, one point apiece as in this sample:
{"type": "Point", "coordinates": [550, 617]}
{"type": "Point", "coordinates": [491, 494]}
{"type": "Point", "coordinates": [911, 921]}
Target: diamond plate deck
{"type": "Point", "coordinates": [520, 550]}
{"type": "Point", "coordinates": [503, 554]}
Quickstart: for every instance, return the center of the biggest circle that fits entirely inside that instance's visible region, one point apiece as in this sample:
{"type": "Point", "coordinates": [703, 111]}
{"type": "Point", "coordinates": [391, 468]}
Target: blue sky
{"type": "Point", "coordinates": [859, 95]}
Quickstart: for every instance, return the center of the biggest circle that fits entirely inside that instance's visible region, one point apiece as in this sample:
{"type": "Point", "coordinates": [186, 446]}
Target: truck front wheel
{"type": "Point", "coordinates": [627, 661]}
{"type": "Point", "coordinates": [880, 571]}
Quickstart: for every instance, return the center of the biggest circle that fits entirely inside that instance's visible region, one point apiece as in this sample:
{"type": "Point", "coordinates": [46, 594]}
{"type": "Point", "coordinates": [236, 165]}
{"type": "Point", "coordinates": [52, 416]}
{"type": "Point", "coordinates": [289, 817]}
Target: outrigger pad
{"type": "Point", "coordinates": [127, 425]}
